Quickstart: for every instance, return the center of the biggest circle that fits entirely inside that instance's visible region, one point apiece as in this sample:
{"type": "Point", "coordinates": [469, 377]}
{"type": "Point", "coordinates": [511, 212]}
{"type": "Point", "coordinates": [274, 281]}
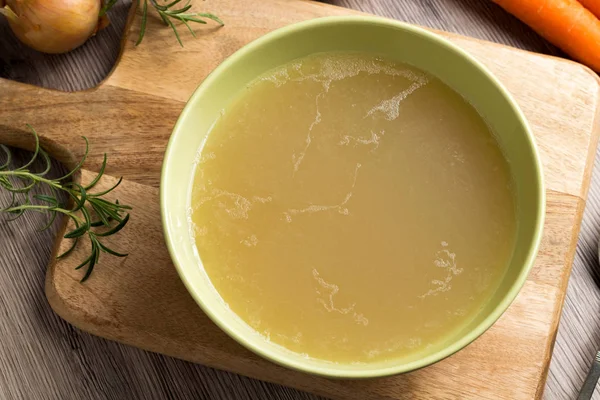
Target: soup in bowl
{"type": "Point", "coordinates": [352, 197]}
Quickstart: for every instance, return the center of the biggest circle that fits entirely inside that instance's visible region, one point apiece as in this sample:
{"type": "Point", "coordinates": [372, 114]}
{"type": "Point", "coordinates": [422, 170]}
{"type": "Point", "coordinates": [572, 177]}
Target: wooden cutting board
{"type": "Point", "coordinates": [140, 300]}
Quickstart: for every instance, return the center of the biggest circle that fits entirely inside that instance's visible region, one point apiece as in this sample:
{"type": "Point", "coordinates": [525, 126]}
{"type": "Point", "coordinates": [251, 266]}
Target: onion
{"type": "Point", "coordinates": [52, 26]}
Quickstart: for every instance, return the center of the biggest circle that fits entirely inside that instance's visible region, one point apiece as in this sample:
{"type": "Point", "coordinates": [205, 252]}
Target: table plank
{"type": "Point", "coordinates": [42, 357]}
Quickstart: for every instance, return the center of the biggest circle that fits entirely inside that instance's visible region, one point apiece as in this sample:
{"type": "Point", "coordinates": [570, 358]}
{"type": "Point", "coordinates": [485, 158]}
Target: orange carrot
{"type": "Point", "coordinates": [592, 5]}
{"type": "Point", "coordinates": [566, 23]}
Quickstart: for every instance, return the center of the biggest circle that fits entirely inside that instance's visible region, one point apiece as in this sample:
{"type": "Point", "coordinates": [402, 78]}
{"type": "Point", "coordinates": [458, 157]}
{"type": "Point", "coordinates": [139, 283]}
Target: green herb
{"type": "Point", "coordinates": [169, 13]}
{"type": "Point", "coordinates": [111, 217]}
{"type": "Point", "coordinates": [107, 6]}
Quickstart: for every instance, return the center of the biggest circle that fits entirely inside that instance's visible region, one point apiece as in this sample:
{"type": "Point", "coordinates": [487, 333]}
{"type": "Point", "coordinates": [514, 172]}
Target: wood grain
{"type": "Point", "coordinates": [232, 383]}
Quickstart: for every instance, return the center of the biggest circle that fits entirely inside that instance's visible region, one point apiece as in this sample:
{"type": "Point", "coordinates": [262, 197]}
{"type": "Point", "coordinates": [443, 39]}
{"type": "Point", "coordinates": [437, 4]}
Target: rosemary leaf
{"type": "Point", "coordinates": [143, 24]}
{"type": "Point", "coordinates": [76, 233]}
{"type": "Point", "coordinates": [110, 251]}
{"type": "Point", "coordinates": [100, 173]}
{"type": "Point", "coordinates": [211, 16]}
{"type": "Point", "coordinates": [36, 151]}
{"type": "Point", "coordinates": [87, 260]}
{"type": "Point", "coordinates": [170, 23]}
{"type": "Point", "coordinates": [80, 163]}
{"type": "Point", "coordinates": [48, 163]}
{"type": "Point", "coordinates": [47, 199]}
{"type": "Point", "coordinates": [8, 157]}
{"type": "Point", "coordinates": [116, 228]}
{"type": "Point", "coordinates": [69, 250]}
{"type": "Point", "coordinates": [51, 220]}
{"type": "Point", "coordinates": [108, 190]}
{"type": "Point", "coordinates": [107, 6]}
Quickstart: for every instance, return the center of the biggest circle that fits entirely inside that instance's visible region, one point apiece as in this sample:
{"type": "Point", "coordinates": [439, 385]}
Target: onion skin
{"type": "Point", "coordinates": [53, 26]}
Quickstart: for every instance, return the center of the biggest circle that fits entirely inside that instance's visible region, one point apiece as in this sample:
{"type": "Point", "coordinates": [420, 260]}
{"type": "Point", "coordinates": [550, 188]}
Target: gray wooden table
{"type": "Point", "coordinates": [43, 357]}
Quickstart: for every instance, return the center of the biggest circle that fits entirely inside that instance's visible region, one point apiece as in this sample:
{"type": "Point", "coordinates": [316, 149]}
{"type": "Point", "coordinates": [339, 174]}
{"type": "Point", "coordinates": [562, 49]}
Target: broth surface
{"type": "Point", "coordinates": [353, 209]}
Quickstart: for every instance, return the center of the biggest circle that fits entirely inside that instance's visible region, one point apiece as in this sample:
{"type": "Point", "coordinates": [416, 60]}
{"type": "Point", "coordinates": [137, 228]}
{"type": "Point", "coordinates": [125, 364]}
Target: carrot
{"type": "Point", "coordinates": [566, 23]}
{"type": "Point", "coordinates": [592, 5]}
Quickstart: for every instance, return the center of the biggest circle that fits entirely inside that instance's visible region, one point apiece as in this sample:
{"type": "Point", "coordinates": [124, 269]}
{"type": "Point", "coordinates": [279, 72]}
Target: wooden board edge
{"type": "Point", "coordinates": [594, 137]}
{"type": "Point", "coordinates": [57, 303]}
{"type": "Point", "coordinates": [564, 280]}
{"type": "Point", "coordinates": [67, 312]}
{"type": "Point", "coordinates": [23, 138]}
{"type": "Point", "coordinates": [123, 43]}
{"type": "Point", "coordinates": [561, 293]}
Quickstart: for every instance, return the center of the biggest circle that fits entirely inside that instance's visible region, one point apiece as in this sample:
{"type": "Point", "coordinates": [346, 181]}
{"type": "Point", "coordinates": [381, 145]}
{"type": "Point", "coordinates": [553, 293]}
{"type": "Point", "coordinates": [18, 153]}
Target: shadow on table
{"type": "Point", "coordinates": [20, 63]}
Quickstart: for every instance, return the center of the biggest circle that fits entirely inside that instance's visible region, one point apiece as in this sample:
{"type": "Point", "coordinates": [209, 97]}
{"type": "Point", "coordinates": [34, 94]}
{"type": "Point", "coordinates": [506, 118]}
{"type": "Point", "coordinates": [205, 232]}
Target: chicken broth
{"type": "Point", "coordinates": [353, 209]}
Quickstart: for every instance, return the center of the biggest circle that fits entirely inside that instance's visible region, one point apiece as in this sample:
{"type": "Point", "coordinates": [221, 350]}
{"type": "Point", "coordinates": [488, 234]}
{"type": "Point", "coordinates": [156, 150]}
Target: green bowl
{"type": "Point", "coordinates": [396, 41]}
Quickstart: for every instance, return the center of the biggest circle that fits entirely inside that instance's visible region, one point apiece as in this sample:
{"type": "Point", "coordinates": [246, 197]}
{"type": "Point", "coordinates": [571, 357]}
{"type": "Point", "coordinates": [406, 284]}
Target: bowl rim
{"type": "Point", "coordinates": [327, 368]}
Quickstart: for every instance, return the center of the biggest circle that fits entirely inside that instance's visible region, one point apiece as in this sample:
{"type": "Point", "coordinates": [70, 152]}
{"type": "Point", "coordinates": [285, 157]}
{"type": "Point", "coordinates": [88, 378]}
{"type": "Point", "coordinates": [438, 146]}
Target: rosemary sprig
{"type": "Point", "coordinates": [169, 13]}
{"type": "Point", "coordinates": [111, 217]}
